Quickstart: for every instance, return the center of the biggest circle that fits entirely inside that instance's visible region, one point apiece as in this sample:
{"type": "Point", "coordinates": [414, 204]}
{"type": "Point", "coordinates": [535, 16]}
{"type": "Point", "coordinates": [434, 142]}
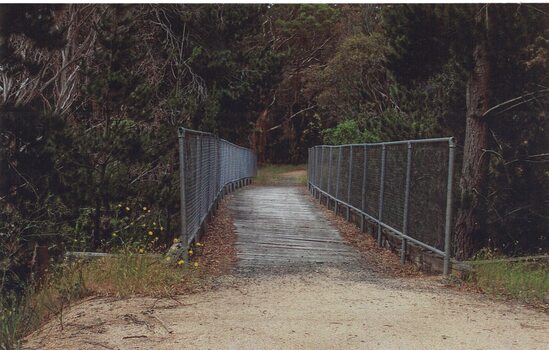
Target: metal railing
{"type": "Point", "coordinates": [208, 167]}
{"type": "Point", "coordinates": [404, 187]}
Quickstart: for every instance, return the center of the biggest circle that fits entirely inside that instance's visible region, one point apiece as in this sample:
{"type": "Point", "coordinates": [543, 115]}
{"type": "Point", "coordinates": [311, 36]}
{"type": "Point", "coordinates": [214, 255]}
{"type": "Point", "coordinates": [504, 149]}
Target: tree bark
{"type": "Point", "coordinates": [259, 135]}
{"type": "Point", "coordinates": [475, 161]}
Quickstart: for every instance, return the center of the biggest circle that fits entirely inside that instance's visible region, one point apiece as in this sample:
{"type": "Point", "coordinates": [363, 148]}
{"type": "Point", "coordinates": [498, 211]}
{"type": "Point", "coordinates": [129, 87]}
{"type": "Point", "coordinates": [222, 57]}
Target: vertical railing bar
{"type": "Point", "coordinates": [329, 176]}
{"type": "Point", "coordinates": [381, 190]}
{"type": "Point", "coordinates": [182, 193]}
{"type": "Point", "coordinates": [337, 178]}
{"type": "Point", "coordinates": [200, 184]}
{"type": "Point", "coordinates": [448, 221]}
{"type": "Point", "coordinates": [309, 169]}
{"type": "Point", "coordinates": [364, 173]}
{"type": "Point", "coordinates": [406, 203]}
{"type": "Point", "coordinates": [322, 175]}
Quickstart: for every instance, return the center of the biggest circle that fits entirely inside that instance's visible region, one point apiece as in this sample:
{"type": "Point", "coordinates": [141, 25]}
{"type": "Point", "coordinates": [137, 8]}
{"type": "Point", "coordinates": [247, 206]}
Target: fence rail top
{"type": "Point", "coordinates": [183, 130]}
{"type": "Point", "coordinates": [451, 140]}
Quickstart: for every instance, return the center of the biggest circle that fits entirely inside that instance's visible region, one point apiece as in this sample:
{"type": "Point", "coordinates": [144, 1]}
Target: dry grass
{"type": "Point", "coordinates": [281, 174]}
{"type": "Point", "coordinates": [126, 274]}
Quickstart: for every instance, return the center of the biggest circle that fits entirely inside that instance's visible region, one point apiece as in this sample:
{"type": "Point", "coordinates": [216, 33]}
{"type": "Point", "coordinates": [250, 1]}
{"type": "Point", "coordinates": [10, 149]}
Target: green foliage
{"type": "Point", "coordinates": [347, 131]}
{"type": "Point", "coordinates": [390, 125]}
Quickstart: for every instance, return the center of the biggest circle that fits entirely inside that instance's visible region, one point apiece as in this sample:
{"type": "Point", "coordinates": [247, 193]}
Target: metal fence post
{"type": "Point", "coordinates": [381, 189]}
{"type": "Point", "coordinates": [406, 203]}
{"type": "Point", "coordinates": [199, 172]}
{"type": "Point", "coordinates": [317, 171]}
{"type": "Point", "coordinates": [310, 167]}
{"type": "Point", "coordinates": [364, 173]}
{"type": "Point", "coordinates": [321, 173]}
{"type": "Point", "coordinates": [337, 178]}
{"type": "Point", "coordinates": [349, 179]}
{"type": "Point", "coordinates": [183, 209]}
{"type": "Point", "coordinates": [448, 223]}
{"type": "Point", "coordinates": [329, 177]}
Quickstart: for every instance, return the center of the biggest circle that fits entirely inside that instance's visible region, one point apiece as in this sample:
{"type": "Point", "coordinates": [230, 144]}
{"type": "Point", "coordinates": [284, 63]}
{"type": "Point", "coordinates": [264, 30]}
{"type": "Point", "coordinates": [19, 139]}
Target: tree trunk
{"type": "Point", "coordinates": [96, 224]}
{"type": "Point", "coordinates": [475, 161]}
{"type": "Point", "coordinates": [259, 135]}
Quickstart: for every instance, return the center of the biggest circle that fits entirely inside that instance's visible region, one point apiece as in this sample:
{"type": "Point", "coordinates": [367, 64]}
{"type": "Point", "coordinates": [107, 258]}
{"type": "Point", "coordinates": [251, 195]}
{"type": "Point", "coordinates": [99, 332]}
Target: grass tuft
{"type": "Point", "coordinates": [524, 280]}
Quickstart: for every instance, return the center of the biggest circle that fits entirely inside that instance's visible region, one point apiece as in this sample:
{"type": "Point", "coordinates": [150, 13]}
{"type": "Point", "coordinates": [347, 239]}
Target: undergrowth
{"type": "Point", "coordinates": [128, 273]}
{"type": "Point", "coordinates": [526, 281]}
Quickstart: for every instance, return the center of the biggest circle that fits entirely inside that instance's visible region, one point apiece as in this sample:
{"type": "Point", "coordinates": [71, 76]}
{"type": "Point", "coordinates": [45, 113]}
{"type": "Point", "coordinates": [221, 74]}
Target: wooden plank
{"type": "Point", "coordinates": [279, 227]}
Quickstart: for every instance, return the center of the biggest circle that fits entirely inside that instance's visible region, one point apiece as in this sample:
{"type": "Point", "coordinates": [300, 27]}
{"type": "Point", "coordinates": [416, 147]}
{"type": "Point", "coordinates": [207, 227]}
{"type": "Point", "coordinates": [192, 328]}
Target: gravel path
{"type": "Point", "coordinates": [328, 309]}
{"type": "Point", "coordinates": [364, 305]}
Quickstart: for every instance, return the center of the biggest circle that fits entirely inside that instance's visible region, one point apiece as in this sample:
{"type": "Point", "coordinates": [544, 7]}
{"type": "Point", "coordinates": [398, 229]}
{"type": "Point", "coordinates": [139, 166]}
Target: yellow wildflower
{"type": "Point", "coordinates": [195, 264]}
{"type": "Point", "coordinates": [176, 240]}
{"type": "Point", "coordinates": [141, 251]}
{"type": "Point", "coordinates": [150, 233]}
{"type": "Point", "coordinates": [114, 234]}
{"type": "Point", "coordinates": [181, 262]}
{"type": "Point", "coordinates": [144, 208]}
{"type": "Point", "coordinates": [148, 211]}
{"type": "Point", "coordinates": [127, 208]}
{"type": "Point", "coordinates": [161, 228]}
{"type": "Point", "coordinates": [168, 258]}
{"type": "Point", "coordinates": [191, 252]}
{"type": "Point", "coordinates": [198, 244]}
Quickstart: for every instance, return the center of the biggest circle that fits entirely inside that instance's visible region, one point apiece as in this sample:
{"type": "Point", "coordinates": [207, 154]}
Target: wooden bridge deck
{"type": "Point", "coordinates": [279, 227]}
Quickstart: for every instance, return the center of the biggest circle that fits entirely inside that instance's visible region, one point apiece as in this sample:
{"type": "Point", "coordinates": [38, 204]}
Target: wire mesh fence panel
{"type": "Point", "coordinates": [405, 186]}
{"type": "Point", "coordinates": [357, 176]}
{"type": "Point", "coordinates": [333, 170]}
{"type": "Point", "coordinates": [395, 183]}
{"type": "Point", "coordinates": [325, 166]}
{"type": "Point", "coordinates": [342, 190]}
{"type": "Point", "coordinates": [207, 165]}
{"type": "Point", "coordinates": [373, 180]}
{"type": "Point", "coordinates": [428, 182]}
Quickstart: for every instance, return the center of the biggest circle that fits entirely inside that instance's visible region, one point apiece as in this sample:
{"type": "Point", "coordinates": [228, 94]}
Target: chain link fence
{"type": "Point", "coordinates": [208, 167]}
{"type": "Point", "coordinates": [404, 187]}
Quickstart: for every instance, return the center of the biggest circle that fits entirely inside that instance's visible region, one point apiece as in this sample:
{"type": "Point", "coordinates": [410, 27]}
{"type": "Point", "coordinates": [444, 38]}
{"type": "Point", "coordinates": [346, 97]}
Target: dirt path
{"type": "Point", "coordinates": [347, 306]}
{"type": "Point", "coordinates": [323, 310]}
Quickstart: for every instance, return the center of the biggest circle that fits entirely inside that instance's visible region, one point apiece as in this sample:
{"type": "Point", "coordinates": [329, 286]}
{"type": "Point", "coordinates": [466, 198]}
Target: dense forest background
{"type": "Point", "coordinates": [91, 96]}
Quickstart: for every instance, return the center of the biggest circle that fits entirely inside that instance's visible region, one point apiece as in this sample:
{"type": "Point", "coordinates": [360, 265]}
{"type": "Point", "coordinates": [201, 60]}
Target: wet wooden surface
{"type": "Point", "coordinates": [279, 227]}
